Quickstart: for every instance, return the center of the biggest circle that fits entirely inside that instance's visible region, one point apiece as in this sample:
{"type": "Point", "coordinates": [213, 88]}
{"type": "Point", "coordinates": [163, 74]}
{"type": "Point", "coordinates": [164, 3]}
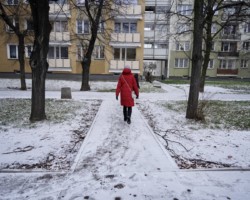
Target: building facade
{"type": "Point", "coordinates": [146, 34]}
{"type": "Point", "coordinates": [121, 44]}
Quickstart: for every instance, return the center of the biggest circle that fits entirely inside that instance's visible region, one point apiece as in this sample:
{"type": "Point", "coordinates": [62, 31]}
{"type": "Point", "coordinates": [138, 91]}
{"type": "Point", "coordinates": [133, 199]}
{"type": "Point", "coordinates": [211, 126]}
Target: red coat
{"type": "Point", "coordinates": [126, 88]}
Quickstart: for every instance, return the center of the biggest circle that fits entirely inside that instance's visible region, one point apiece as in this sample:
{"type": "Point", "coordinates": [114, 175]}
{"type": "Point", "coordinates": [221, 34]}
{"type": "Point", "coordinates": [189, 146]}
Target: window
{"type": "Point", "coordinates": [58, 52]}
{"type": "Point", "coordinates": [14, 22]}
{"type": "Point", "coordinates": [150, 9]}
{"type": "Point", "coordinates": [184, 9]}
{"type": "Point", "coordinates": [244, 63]}
{"type": "Point", "coordinates": [125, 27]}
{"type": "Point", "coordinates": [247, 27]}
{"type": "Point", "coordinates": [181, 28]}
{"type": "Point", "coordinates": [181, 62]}
{"type": "Point", "coordinates": [81, 51]}
{"type": "Point", "coordinates": [148, 27]}
{"type": "Point", "coordinates": [161, 46]}
{"type": "Point", "coordinates": [213, 28]}
{"type": "Point", "coordinates": [99, 52]}
{"type": "Point", "coordinates": [211, 64]}
{"type": "Point", "coordinates": [229, 46]}
{"type": "Point", "coordinates": [60, 26]}
{"type": "Point", "coordinates": [12, 2]}
{"type": "Point", "coordinates": [82, 26]}
{"type": "Point", "coordinates": [12, 51]}
{"type": "Point", "coordinates": [183, 46]}
{"type": "Point", "coordinates": [246, 46]}
{"type": "Point", "coordinates": [80, 2]}
{"type": "Point", "coordinates": [101, 27]}
{"type": "Point", "coordinates": [227, 64]}
{"type": "Point", "coordinates": [162, 9]}
{"type": "Point", "coordinates": [28, 50]}
{"type": "Point", "coordinates": [229, 30]}
{"type": "Point", "coordinates": [124, 54]}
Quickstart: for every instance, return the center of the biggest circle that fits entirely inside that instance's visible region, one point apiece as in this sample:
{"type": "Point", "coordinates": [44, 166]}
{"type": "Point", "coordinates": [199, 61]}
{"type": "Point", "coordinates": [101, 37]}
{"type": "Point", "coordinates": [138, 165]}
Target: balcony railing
{"type": "Point", "coordinates": [119, 64]}
{"type": "Point", "coordinates": [156, 53]}
{"type": "Point", "coordinates": [58, 8]}
{"type": "Point", "coordinates": [231, 36]}
{"type": "Point", "coordinates": [59, 63]}
{"type": "Point", "coordinates": [228, 54]}
{"type": "Point", "coordinates": [59, 36]}
{"type": "Point", "coordinates": [125, 37]}
{"type": "Point", "coordinates": [227, 71]}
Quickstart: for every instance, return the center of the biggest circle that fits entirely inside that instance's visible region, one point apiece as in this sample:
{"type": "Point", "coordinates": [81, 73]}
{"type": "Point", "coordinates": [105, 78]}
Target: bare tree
{"type": "Point", "coordinates": [239, 11]}
{"type": "Point", "coordinates": [38, 58]}
{"type": "Point", "coordinates": [17, 13]}
{"type": "Point", "coordinates": [193, 98]}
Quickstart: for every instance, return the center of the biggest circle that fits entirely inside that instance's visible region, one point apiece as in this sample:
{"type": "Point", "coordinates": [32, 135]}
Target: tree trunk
{"type": "Point", "coordinates": [21, 53]}
{"type": "Point", "coordinates": [208, 44]}
{"type": "Point", "coordinates": [38, 58]}
{"type": "Point", "coordinates": [85, 74]}
{"type": "Point", "coordinates": [94, 30]}
{"type": "Point", "coordinates": [193, 98]}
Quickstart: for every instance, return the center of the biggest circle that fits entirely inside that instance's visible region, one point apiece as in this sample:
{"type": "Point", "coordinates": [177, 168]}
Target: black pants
{"type": "Point", "coordinates": [127, 111]}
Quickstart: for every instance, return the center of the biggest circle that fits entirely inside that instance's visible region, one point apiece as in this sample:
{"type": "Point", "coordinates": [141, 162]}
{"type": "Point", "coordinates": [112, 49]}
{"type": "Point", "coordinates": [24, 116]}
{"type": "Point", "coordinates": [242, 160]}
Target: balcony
{"type": "Point", "coordinates": [228, 54]}
{"type": "Point", "coordinates": [227, 72]}
{"type": "Point", "coordinates": [152, 17]}
{"type": "Point", "coordinates": [118, 65]}
{"type": "Point", "coordinates": [59, 64]}
{"type": "Point", "coordinates": [59, 36]}
{"type": "Point", "coordinates": [123, 39]}
{"type": "Point", "coordinates": [231, 36]}
{"type": "Point", "coordinates": [128, 12]}
{"type": "Point", "coordinates": [156, 54]}
{"type": "Point", "coordinates": [59, 10]}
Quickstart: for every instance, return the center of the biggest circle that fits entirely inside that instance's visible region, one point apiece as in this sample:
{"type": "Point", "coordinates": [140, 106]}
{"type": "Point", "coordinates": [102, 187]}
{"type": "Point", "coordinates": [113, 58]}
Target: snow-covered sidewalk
{"type": "Point", "coordinates": [121, 161]}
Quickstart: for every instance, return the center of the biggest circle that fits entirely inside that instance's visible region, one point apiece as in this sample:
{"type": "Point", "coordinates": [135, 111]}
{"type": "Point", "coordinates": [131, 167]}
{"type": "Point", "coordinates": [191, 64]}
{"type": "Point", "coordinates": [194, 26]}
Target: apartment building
{"type": "Point", "coordinates": [156, 37]}
{"type": "Point", "coordinates": [141, 34]}
{"type": "Point", "coordinates": [230, 56]}
{"type": "Point", "coordinates": [122, 44]}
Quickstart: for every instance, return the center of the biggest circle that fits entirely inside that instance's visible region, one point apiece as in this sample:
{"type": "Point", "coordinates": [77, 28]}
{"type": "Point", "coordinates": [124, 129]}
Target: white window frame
{"type": "Point", "coordinates": [183, 46]}
{"type": "Point", "coordinates": [227, 64]}
{"type": "Point", "coordinates": [59, 48]}
{"type": "Point", "coordinates": [214, 28]}
{"type": "Point", "coordinates": [244, 63]}
{"type": "Point", "coordinates": [124, 55]}
{"type": "Point", "coordinates": [184, 9]}
{"type": "Point", "coordinates": [60, 22]}
{"type": "Point", "coordinates": [80, 52]}
{"type": "Point", "coordinates": [8, 51]}
{"type": "Point", "coordinates": [230, 46]}
{"type": "Point", "coordinates": [246, 46]}
{"type": "Point", "coordinates": [28, 50]}
{"type": "Point", "coordinates": [247, 27]}
{"type": "Point", "coordinates": [121, 27]}
{"type": "Point", "coordinates": [181, 62]}
{"type": "Point", "coordinates": [211, 64]}
{"type": "Point", "coordinates": [8, 29]}
{"type": "Point", "coordinates": [98, 52]}
{"type": "Point", "coordinates": [82, 22]}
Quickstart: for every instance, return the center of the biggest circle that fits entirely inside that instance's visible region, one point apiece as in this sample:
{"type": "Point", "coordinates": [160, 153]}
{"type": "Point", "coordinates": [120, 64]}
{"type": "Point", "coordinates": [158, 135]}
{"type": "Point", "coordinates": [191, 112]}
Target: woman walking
{"type": "Point", "coordinates": [126, 85]}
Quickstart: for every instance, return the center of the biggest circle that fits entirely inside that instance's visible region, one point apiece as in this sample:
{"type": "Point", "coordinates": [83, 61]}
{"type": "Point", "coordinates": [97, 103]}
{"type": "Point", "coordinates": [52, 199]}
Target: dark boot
{"type": "Point", "coordinates": [125, 113]}
{"type": "Point", "coordinates": [129, 115]}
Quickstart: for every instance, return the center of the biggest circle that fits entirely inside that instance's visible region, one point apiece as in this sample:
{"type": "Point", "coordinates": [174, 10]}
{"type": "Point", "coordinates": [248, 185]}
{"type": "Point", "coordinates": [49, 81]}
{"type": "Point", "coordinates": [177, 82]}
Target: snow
{"type": "Point", "coordinates": [86, 151]}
